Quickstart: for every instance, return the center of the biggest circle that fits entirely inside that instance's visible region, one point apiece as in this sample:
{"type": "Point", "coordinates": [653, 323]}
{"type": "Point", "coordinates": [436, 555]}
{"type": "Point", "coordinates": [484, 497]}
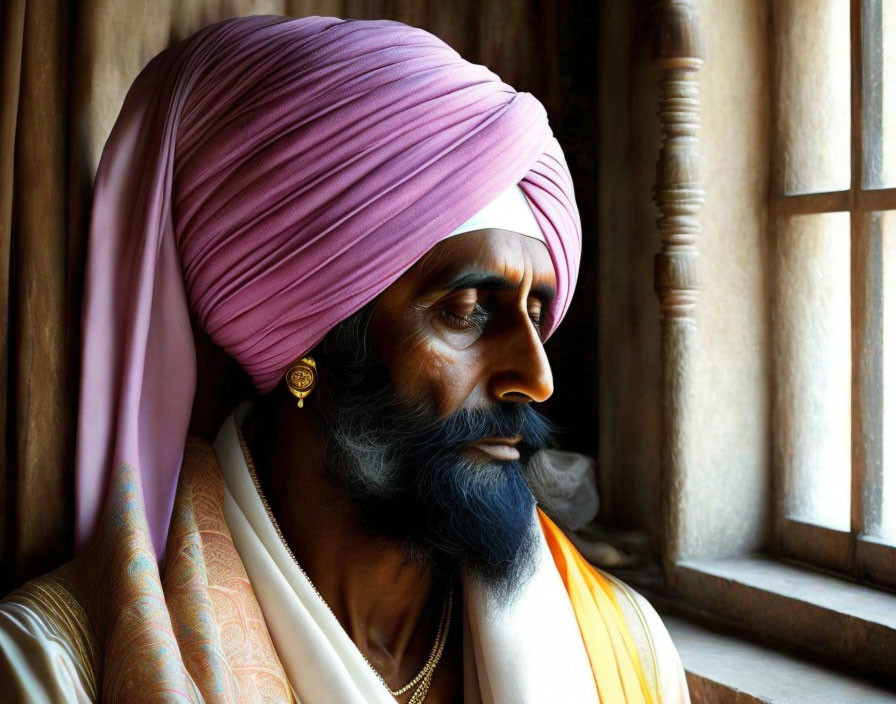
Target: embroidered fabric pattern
{"type": "Point", "coordinates": [209, 593]}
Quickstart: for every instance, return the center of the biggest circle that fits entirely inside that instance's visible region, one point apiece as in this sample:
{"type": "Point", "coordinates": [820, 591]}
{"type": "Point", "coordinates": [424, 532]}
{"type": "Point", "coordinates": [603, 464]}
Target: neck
{"type": "Point", "coordinates": [385, 601]}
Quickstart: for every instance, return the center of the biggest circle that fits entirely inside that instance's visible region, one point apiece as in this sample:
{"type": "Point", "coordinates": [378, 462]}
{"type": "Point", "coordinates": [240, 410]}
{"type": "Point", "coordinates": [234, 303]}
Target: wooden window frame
{"type": "Point", "coordinates": [854, 553]}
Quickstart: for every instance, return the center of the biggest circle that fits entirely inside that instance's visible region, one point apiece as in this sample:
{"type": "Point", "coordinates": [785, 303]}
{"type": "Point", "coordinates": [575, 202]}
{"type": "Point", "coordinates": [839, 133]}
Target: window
{"type": "Point", "coordinates": [833, 222]}
{"type": "Point", "coordinates": [775, 323]}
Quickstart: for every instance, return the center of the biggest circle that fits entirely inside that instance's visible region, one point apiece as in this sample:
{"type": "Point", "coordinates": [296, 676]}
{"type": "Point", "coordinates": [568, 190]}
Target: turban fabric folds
{"type": "Point", "coordinates": [272, 176]}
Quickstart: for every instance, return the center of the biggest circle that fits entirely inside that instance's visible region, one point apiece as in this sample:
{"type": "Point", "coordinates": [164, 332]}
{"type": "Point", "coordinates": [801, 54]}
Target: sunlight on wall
{"type": "Point", "coordinates": [882, 522]}
{"type": "Point", "coordinates": [880, 161]}
{"type": "Point", "coordinates": [812, 40]}
{"type": "Point", "coordinates": [813, 364]}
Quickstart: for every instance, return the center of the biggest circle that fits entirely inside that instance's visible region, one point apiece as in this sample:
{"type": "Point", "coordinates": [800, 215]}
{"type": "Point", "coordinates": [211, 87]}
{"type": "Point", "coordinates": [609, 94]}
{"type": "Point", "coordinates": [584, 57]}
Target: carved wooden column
{"type": "Point", "coordinates": [678, 195]}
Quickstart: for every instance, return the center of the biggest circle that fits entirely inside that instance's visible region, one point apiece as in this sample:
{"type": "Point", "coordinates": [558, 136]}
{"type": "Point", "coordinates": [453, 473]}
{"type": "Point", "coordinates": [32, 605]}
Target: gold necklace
{"type": "Point", "coordinates": [422, 678]}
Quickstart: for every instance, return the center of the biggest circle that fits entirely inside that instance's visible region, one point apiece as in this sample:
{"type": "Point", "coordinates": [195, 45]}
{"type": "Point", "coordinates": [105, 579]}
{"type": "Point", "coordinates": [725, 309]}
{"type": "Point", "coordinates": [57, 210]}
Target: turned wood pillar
{"type": "Point", "coordinates": [678, 194]}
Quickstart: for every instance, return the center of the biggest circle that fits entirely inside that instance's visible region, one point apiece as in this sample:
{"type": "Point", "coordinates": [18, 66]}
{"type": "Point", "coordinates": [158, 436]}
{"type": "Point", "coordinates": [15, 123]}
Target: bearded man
{"type": "Point", "coordinates": [382, 235]}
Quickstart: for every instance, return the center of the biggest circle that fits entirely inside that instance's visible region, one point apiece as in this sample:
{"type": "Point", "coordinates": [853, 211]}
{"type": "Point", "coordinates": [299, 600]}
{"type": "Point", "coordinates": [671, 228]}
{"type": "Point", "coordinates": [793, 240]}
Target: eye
{"type": "Point", "coordinates": [535, 315]}
{"type": "Point", "coordinates": [536, 320]}
{"type": "Point", "coordinates": [476, 319]}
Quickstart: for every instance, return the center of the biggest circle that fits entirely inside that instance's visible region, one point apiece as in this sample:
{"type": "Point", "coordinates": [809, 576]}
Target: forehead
{"type": "Point", "coordinates": [505, 254]}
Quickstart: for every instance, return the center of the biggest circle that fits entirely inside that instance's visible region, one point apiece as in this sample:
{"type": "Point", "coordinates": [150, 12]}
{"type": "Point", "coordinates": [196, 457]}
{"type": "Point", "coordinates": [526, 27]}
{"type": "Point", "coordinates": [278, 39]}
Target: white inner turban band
{"type": "Point", "coordinates": [509, 211]}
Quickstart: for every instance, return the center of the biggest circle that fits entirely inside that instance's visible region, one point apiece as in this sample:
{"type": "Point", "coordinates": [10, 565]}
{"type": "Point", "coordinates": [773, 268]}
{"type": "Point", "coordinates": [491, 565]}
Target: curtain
{"type": "Point", "coordinates": [65, 70]}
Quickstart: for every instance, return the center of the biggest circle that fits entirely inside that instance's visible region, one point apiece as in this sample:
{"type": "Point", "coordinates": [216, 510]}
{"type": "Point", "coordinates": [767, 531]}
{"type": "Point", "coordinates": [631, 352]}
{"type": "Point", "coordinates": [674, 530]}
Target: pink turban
{"type": "Point", "coordinates": [273, 176]}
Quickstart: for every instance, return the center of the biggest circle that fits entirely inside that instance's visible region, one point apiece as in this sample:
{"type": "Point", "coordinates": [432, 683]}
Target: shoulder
{"type": "Point", "coordinates": [48, 649]}
{"type": "Point", "coordinates": [662, 665]}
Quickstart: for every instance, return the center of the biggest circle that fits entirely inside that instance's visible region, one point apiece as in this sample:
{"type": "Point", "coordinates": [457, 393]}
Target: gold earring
{"type": "Point", "coordinates": [301, 378]}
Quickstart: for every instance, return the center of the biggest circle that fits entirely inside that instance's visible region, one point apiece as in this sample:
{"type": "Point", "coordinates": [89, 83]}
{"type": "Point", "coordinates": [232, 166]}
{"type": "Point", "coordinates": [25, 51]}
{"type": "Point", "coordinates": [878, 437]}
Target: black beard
{"type": "Point", "coordinates": [410, 477]}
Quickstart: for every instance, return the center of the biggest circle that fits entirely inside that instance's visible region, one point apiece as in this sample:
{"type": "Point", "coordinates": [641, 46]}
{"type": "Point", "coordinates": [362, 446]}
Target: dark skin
{"type": "Point", "coordinates": [459, 329]}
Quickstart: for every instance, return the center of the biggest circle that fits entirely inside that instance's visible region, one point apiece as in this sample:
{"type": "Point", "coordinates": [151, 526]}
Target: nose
{"type": "Point", "coordinates": [521, 372]}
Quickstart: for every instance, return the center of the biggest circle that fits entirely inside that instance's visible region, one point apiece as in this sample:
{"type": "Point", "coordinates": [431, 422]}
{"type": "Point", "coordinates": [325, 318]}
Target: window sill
{"type": "Point", "coordinates": [726, 670]}
{"type": "Point", "coordinates": [791, 609]}
{"type": "Point", "coordinates": [812, 612]}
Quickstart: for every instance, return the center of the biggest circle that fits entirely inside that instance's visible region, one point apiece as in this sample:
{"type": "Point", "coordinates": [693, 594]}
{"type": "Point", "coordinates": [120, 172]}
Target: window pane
{"type": "Point", "coordinates": [812, 358]}
{"type": "Point", "coordinates": [880, 491]}
{"type": "Point", "coordinates": [879, 98]}
{"type": "Point", "coordinates": [812, 99]}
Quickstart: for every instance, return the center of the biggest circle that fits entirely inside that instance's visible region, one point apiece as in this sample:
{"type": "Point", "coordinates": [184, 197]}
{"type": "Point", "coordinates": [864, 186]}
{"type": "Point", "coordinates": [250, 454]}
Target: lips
{"type": "Point", "coordinates": [498, 448]}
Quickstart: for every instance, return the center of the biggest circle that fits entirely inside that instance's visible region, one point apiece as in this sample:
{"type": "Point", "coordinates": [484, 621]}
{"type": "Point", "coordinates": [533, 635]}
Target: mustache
{"type": "Point", "coordinates": [503, 420]}
{"type": "Point", "coordinates": [382, 430]}
{"type": "Point", "coordinates": [417, 431]}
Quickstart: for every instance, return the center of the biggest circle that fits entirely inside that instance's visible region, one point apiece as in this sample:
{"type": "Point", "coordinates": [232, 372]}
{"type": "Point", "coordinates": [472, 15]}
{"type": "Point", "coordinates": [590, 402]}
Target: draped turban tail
{"type": "Point", "coordinates": [273, 176]}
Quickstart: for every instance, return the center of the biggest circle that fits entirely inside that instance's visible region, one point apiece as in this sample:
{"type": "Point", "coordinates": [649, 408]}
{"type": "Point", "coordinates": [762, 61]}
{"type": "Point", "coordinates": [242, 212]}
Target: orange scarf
{"type": "Point", "coordinates": [618, 673]}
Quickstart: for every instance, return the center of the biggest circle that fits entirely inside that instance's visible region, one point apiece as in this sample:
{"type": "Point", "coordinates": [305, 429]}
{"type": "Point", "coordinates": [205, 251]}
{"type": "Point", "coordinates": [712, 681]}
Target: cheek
{"type": "Point", "coordinates": [433, 372]}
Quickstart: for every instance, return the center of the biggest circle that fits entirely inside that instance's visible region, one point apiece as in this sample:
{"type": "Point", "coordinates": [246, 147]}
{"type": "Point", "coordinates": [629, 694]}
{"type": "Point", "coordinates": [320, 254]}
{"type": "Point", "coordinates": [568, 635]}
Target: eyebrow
{"type": "Point", "coordinates": [489, 281]}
